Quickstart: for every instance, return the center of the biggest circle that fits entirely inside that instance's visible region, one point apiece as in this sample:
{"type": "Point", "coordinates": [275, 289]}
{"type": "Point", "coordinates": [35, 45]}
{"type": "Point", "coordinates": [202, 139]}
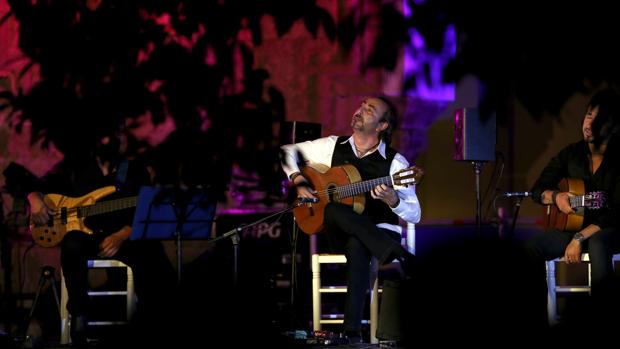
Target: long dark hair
{"type": "Point", "coordinates": [607, 122]}
{"type": "Point", "coordinates": [390, 116]}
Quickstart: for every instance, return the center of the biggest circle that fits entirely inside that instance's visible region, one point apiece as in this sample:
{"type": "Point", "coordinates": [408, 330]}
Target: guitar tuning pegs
{"type": "Point", "coordinates": [595, 200]}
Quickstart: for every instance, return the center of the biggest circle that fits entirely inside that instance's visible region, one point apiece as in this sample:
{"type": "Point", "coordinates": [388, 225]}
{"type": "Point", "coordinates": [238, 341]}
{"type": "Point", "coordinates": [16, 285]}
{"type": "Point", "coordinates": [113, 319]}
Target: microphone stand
{"type": "Point", "coordinates": [234, 236]}
{"type": "Point", "coordinates": [477, 169]}
{"type": "Point", "coordinates": [516, 214]}
{"type": "Point", "coordinates": [519, 196]}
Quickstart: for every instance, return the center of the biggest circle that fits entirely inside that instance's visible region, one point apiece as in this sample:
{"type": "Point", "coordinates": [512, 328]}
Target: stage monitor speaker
{"type": "Point", "coordinates": [299, 131]}
{"type": "Point", "coordinates": [474, 137]}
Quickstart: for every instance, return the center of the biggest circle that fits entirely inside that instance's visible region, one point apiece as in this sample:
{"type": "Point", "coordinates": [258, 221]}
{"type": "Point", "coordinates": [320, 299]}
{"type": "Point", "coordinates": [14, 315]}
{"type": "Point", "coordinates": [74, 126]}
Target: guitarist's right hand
{"type": "Point", "coordinates": [304, 190]}
{"type": "Point", "coordinates": [40, 213]}
{"type": "Point", "coordinates": [563, 203]}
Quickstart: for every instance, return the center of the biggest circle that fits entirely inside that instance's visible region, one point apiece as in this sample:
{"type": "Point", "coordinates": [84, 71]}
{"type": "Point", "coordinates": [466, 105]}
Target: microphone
{"type": "Point", "coordinates": [302, 200]}
{"type": "Point", "coordinates": [517, 194]}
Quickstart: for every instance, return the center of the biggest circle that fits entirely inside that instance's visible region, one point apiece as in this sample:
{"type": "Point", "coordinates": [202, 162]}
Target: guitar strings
{"type": "Point", "coordinates": [352, 187]}
{"type": "Point", "coordinates": [349, 187]}
{"type": "Point", "coordinates": [93, 207]}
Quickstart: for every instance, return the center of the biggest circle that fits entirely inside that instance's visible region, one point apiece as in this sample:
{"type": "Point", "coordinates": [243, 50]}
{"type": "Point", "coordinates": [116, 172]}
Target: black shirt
{"type": "Point", "coordinates": [573, 162]}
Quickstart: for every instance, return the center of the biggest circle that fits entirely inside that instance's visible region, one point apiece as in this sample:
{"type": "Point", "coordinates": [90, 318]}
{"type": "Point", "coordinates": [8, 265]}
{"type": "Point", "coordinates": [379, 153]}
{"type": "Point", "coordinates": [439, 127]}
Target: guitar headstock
{"type": "Point", "coordinates": [595, 200]}
{"type": "Point", "coordinates": [408, 176]}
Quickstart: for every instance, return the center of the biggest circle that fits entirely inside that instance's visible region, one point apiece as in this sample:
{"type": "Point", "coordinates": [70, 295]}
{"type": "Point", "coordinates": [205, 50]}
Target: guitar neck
{"type": "Point", "coordinates": [362, 187]}
{"type": "Point", "coordinates": [577, 201]}
{"type": "Point", "coordinates": [107, 206]}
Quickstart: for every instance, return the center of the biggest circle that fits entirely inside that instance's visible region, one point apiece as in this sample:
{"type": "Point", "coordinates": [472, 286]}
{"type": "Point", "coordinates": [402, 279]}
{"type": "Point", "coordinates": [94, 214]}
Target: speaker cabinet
{"type": "Point", "coordinates": [474, 137]}
{"type": "Point", "coordinates": [299, 131]}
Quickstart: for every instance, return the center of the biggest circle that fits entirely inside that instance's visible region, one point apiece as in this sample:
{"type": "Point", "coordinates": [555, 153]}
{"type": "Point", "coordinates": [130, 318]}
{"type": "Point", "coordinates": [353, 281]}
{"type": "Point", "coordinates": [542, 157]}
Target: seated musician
{"type": "Point", "coordinates": [80, 176]}
{"type": "Point", "coordinates": [375, 232]}
{"type": "Point", "coordinates": [593, 161]}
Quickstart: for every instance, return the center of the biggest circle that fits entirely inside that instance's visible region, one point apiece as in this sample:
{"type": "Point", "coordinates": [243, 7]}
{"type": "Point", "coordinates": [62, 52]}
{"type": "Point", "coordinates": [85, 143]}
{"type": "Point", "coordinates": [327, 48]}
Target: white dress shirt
{"type": "Point", "coordinates": [320, 151]}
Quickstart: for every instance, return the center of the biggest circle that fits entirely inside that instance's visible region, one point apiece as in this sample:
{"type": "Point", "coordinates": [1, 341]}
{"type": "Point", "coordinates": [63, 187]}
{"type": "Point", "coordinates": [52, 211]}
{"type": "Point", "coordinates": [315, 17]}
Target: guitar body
{"type": "Point", "coordinates": [554, 218]}
{"type": "Point", "coordinates": [309, 217]}
{"type": "Point", "coordinates": [52, 234]}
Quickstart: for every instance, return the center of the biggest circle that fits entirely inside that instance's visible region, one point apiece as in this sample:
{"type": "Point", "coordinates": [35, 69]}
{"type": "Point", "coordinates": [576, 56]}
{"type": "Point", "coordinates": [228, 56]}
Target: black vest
{"type": "Point", "coordinates": [370, 167]}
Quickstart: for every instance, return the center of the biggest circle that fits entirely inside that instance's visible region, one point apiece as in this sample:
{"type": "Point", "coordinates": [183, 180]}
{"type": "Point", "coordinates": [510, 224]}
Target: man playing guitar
{"type": "Point", "coordinates": [360, 233]}
{"type": "Point", "coordinates": [593, 163]}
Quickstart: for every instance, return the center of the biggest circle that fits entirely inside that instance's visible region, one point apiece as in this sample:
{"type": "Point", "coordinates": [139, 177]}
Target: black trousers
{"type": "Point", "coordinates": [359, 239]}
{"type": "Point", "coordinates": [600, 247]}
{"type": "Point", "coordinates": [154, 276]}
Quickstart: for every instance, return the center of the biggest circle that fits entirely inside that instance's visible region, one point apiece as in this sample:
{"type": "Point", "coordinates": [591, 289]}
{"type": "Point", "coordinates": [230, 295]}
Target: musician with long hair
{"type": "Point", "coordinates": [593, 162]}
{"type": "Point", "coordinates": [375, 232]}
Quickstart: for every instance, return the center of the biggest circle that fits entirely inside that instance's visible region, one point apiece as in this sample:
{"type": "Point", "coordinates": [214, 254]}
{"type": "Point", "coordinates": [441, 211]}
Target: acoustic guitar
{"type": "Point", "coordinates": [69, 214]}
{"type": "Point", "coordinates": [343, 184]}
{"type": "Point", "coordinates": [579, 201]}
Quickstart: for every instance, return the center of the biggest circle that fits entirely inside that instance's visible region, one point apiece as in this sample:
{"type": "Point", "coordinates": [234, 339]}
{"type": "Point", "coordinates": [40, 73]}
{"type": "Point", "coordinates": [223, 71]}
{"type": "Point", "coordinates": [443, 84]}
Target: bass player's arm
{"type": "Point", "coordinates": [112, 243]}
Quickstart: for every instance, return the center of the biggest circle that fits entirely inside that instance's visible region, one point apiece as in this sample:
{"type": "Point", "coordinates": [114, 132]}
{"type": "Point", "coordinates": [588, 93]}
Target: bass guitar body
{"type": "Point", "coordinates": [66, 217]}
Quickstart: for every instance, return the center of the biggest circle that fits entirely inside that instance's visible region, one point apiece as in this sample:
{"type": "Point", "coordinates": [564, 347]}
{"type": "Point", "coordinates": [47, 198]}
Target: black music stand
{"type": "Point", "coordinates": [174, 213]}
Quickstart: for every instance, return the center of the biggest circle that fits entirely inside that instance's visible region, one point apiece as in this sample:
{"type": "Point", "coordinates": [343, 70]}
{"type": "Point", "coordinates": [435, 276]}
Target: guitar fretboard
{"type": "Point", "coordinates": [361, 187]}
{"type": "Point", "coordinates": [577, 201]}
{"type": "Point", "coordinates": [107, 206]}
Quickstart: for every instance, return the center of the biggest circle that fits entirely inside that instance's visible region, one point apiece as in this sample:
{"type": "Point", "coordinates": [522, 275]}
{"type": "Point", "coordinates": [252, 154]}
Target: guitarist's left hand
{"type": "Point", "coordinates": [562, 200]}
{"type": "Point", "coordinates": [386, 194]}
{"type": "Point", "coordinates": [572, 254]}
{"type": "Point", "coordinates": [111, 244]}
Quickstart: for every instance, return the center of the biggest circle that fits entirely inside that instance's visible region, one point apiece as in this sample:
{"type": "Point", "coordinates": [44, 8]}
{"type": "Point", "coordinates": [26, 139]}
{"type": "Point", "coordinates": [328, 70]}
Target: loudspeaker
{"type": "Point", "coordinates": [391, 322]}
{"type": "Point", "coordinates": [474, 137]}
{"type": "Point", "coordinates": [299, 131]}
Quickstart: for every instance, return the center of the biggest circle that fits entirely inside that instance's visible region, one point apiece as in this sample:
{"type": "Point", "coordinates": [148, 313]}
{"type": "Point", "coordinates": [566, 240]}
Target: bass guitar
{"type": "Point", "coordinates": [69, 214]}
{"type": "Point", "coordinates": [343, 184]}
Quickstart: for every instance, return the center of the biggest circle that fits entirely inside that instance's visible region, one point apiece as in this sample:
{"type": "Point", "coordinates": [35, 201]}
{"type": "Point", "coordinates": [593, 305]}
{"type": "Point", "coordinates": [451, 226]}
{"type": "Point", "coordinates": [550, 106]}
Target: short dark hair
{"type": "Point", "coordinates": [390, 116]}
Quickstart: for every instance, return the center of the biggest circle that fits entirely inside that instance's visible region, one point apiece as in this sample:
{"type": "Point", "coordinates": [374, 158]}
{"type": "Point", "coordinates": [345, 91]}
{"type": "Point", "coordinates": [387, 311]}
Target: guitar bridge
{"type": "Point", "coordinates": [63, 215]}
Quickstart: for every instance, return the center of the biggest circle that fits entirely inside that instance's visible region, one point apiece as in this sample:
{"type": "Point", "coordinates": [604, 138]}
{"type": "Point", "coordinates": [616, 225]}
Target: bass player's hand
{"type": "Point", "coordinates": [111, 244]}
{"type": "Point", "coordinates": [40, 213]}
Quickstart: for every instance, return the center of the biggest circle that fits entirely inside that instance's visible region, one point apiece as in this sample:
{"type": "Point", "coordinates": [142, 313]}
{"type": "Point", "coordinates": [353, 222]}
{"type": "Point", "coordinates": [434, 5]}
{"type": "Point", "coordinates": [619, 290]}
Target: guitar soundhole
{"type": "Point", "coordinates": [331, 193]}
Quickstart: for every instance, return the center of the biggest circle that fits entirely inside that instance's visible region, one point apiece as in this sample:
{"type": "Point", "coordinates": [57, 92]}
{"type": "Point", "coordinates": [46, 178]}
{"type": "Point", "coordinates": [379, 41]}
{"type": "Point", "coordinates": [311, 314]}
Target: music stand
{"type": "Point", "coordinates": [173, 213]}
